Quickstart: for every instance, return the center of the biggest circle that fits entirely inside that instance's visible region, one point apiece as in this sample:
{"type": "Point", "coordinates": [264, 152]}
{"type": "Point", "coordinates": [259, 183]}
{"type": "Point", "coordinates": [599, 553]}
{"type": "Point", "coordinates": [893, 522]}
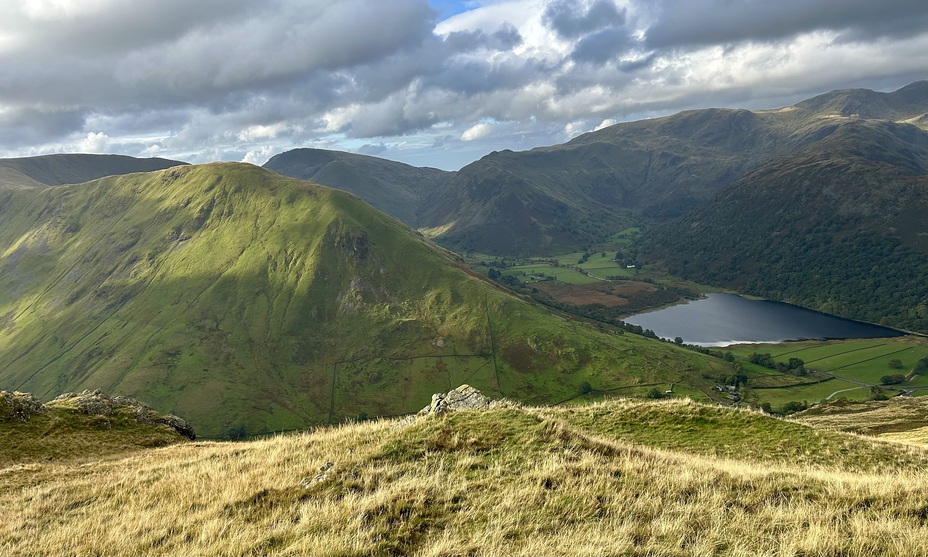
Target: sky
{"type": "Point", "coordinates": [427, 82]}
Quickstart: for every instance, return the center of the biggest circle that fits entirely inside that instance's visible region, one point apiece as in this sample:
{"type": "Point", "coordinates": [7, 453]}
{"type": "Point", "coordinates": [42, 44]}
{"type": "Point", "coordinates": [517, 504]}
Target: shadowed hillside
{"type": "Point", "coordinates": [395, 188]}
{"type": "Point", "coordinates": [55, 170]}
{"type": "Point", "coordinates": [565, 197]}
{"type": "Point", "coordinates": [839, 227]}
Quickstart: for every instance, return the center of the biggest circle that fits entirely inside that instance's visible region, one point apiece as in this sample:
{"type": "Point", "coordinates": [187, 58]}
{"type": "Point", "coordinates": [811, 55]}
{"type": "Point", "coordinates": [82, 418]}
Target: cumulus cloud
{"type": "Point", "coordinates": [95, 142]}
{"type": "Point", "coordinates": [259, 156]}
{"type": "Point", "coordinates": [239, 80]}
{"type": "Point", "coordinates": [477, 131]}
{"type": "Point", "coordinates": [372, 149]}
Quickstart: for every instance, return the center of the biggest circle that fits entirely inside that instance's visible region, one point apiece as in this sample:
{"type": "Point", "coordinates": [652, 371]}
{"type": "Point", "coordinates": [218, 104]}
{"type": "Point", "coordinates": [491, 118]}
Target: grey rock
{"type": "Point", "coordinates": [94, 402]}
{"type": "Point", "coordinates": [179, 425]}
{"type": "Point", "coordinates": [19, 406]}
{"type": "Point", "coordinates": [464, 397]}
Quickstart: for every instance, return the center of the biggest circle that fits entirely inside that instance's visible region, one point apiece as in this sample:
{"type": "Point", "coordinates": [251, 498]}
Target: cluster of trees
{"type": "Point", "coordinates": [737, 379]}
{"type": "Point", "coordinates": [794, 366]}
{"type": "Point", "coordinates": [921, 367]}
{"type": "Point", "coordinates": [793, 406]}
{"type": "Point", "coordinates": [508, 280]}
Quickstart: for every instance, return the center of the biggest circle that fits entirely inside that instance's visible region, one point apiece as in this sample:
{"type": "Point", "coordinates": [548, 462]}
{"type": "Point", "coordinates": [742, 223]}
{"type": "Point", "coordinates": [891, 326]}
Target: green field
{"type": "Point", "coordinates": [854, 364]}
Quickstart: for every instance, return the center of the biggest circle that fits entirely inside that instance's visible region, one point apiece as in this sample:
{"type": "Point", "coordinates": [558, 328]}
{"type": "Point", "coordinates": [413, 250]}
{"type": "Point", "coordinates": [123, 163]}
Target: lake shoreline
{"type": "Point", "coordinates": [723, 319]}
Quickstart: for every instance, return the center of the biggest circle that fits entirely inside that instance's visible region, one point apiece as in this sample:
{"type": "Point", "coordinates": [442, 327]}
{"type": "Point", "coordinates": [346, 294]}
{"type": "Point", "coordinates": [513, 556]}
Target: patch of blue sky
{"type": "Point", "coordinates": [450, 8]}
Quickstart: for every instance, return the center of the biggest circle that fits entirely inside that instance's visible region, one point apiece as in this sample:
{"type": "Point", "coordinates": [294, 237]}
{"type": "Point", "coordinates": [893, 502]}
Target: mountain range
{"type": "Point", "coordinates": [249, 302]}
{"type": "Point", "coordinates": [821, 203]}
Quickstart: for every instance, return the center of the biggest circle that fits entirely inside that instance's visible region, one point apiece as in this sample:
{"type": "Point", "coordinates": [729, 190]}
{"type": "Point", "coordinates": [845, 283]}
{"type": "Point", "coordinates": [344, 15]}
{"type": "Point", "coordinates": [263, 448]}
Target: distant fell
{"type": "Point", "coordinates": [395, 188]}
{"type": "Point", "coordinates": [55, 170]}
{"type": "Point", "coordinates": [906, 104]}
{"type": "Point", "coordinates": [566, 197]}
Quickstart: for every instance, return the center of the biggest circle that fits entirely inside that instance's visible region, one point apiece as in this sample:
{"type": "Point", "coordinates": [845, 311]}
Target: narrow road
{"type": "Point", "coordinates": [842, 391]}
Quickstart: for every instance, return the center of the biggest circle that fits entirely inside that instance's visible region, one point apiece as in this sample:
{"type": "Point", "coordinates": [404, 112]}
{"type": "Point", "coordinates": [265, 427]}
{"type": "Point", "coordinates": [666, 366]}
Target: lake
{"type": "Point", "coordinates": [723, 319]}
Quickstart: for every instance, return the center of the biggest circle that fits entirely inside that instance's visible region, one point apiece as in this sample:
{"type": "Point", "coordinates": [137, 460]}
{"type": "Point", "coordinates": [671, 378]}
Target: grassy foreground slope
{"type": "Point", "coordinates": [511, 480]}
{"type": "Point", "coordinates": [249, 302]}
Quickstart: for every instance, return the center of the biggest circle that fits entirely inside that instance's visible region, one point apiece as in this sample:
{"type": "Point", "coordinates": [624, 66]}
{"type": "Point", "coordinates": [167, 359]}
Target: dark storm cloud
{"type": "Point", "coordinates": [479, 76]}
{"type": "Point", "coordinates": [570, 20]}
{"type": "Point", "coordinates": [602, 46]}
{"type": "Point", "coordinates": [29, 126]}
{"type": "Point", "coordinates": [174, 61]}
{"type": "Point", "coordinates": [117, 27]}
{"type": "Point", "coordinates": [214, 79]}
{"type": "Point", "coordinates": [457, 62]}
{"type": "Point", "coordinates": [681, 23]}
{"type": "Point", "coordinates": [505, 38]}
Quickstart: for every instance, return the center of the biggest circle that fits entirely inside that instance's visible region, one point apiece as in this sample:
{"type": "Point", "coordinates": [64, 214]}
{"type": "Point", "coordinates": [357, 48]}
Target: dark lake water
{"type": "Point", "coordinates": [723, 319]}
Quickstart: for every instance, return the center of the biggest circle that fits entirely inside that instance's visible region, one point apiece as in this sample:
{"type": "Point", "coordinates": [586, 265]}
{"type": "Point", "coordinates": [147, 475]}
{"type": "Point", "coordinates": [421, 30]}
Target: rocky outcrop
{"type": "Point", "coordinates": [101, 404]}
{"type": "Point", "coordinates": [464, 397]}
{"type": "Point", "coordinates": [18, 406]}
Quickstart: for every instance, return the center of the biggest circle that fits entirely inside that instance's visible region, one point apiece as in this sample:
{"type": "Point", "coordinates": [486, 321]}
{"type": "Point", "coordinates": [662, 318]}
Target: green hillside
{"type": "Point", "coordinates": [249, 302]}
{"type": "Point", "coordinates": [617, 478]}
{"type": "Point", "coordinates": [55, 170]}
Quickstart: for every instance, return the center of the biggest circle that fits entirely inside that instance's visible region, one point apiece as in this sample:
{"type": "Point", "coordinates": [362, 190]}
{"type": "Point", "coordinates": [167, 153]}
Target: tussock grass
{"type": "Point", "coordinates": [507, 481]}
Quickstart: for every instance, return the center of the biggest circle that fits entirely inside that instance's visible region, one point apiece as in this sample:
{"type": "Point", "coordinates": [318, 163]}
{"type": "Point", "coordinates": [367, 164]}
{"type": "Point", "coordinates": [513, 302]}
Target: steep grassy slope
{"type": "Point", "coordinates": [506, 481]}
{"type": "Point", "coordinates": [839, 227]}
{"type": "Point", "coordinates": [247, 302]}
{"type": "Point", "coordinates": [395, 188]}
{"type": "Point", "coordinates": [55, 170]}
{"type": "Point", "coordinates": [10, 178]}
{"type": "Point", "coordinates": [562, 198]}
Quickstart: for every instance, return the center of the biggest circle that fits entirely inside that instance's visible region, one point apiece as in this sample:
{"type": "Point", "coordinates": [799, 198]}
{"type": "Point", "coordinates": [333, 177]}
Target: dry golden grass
{"type": "Point", "coordinates": [508, 481]}
{"type": "Point", "coordinates": [900, 418]}
{"type": "Point", "coordinates": [917, 436]}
